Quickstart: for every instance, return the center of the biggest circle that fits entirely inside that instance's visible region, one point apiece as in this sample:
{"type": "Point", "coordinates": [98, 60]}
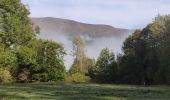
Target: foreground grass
{"type": "Point", "coordinates": [68, 91]}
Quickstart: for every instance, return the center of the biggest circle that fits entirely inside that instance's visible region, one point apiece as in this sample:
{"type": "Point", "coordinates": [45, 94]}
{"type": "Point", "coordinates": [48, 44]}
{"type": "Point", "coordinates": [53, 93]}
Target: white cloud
{"type": "Point", "coordinates": [119, 13]}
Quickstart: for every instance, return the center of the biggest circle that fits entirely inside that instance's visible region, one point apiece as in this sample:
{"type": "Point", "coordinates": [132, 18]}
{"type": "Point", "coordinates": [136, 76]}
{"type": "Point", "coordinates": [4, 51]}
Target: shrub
{"type": "Point", "coordinates": [78, 78]}
{"type": "Point", "coordinates": [5, 76]}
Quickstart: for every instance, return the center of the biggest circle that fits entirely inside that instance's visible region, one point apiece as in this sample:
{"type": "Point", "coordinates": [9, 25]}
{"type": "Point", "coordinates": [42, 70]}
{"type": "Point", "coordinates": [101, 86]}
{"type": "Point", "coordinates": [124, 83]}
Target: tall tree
{"type": "Point", "coordinates": [20, 48]}
{"type": "Point", "coordinates": [79, 53]}
{"type": "Point", "coordinates": [163, 74]}
{"type": "Point", "coordinates": [149, 53]}
{"type": "Point", "coordinates": [15, 31]}
{"type": "Point", "coordinates": [130, 64]}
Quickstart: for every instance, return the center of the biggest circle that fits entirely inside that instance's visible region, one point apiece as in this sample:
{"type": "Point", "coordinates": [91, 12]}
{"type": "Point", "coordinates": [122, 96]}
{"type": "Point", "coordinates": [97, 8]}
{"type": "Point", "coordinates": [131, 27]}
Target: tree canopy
{"type": "Point", "coordinates": [21, 53]}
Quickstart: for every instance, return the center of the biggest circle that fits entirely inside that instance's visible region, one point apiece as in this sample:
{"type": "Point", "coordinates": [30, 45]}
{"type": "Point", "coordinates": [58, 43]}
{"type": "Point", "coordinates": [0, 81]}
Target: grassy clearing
{"type": "Point", "coordinates": [69, 91]}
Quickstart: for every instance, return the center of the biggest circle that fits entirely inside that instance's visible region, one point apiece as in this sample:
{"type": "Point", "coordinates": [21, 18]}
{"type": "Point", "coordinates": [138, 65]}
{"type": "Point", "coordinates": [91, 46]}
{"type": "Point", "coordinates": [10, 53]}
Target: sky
{"type": "Point", "coordinates": [130, 14]}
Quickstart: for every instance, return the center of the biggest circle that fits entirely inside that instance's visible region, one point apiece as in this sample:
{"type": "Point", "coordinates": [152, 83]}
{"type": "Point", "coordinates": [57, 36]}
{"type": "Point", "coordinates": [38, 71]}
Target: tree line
{"type": "Point", "coordinates": [145, 58]}
{"type": "Point", "coordinates": [24, 58]}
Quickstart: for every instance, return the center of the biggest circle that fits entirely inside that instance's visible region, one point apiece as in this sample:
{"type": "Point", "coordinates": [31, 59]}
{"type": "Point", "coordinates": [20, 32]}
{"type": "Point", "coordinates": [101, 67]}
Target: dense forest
{"type": "Point", "coordinates": [24, 58]}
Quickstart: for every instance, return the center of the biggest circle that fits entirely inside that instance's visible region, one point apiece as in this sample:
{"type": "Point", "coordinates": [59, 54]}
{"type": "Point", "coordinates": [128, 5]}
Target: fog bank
{"type": "Point", "coordinates": [93, 46]}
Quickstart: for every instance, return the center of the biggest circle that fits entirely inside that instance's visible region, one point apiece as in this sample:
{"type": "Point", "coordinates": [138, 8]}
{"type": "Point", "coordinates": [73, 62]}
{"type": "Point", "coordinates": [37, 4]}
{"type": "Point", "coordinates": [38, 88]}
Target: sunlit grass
{"type": "Point", "coordinates": [70, 91]}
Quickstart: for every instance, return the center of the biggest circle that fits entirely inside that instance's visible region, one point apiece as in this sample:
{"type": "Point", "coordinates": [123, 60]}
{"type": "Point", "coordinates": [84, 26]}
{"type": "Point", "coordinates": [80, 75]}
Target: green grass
{"type": "Point", "coordinates": [69, 91]}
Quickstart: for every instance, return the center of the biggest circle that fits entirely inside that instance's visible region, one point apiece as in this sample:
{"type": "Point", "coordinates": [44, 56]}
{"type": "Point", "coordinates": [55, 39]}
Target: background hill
{"type": "Point", "coordinates": [96, 36]}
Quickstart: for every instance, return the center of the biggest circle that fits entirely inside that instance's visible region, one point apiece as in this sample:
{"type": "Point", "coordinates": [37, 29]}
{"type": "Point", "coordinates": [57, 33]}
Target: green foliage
{"type": "Point", "coordinates": [50, 66]}
{"type": "Point", "coordinates": [7, 57]}
{"type": "Point", "coordinates": [75, 75]}
{"type": "Point", "coordinates": [145, 58]}
{"type": "Point", "coordinates": [26, 59]}
{"type": "Point", "coordinates": [81, 64]}
{"type": "Point", "coordinates": [15, 33]}
{"type": "Point", "coordinates": [146, 54]}
{"type": "Point", "coordinates": [78, 78]}
{"type": "Point", "coordinates": [26, 56]}
{"type": "Point", "coordinates": [105, 69]}
{"type": "Point", "coordinates": [16, 27]}
{"type": "Point", "coordinates": [20, 51]}
{"type": "Point", "coordinates": [5, 75]}
{"type": "Point", "coordinates": [131, 63]}
{"type": "Point", "coordinates": [87, 63]}
{"type": "Point", "coordinates": [163, 74]}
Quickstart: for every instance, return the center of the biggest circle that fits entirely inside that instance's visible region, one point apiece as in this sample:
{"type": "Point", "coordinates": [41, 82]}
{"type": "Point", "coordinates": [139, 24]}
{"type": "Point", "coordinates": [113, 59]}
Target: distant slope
{"type": "Point", "coordinates": [71, 28]}
{"type": "Point", "coordinates": [96, 37]}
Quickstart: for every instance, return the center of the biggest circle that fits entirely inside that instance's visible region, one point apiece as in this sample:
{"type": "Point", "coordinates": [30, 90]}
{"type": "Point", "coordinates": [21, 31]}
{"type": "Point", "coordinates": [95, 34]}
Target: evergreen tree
{"type": "Point", "coordinates": [105, 69]}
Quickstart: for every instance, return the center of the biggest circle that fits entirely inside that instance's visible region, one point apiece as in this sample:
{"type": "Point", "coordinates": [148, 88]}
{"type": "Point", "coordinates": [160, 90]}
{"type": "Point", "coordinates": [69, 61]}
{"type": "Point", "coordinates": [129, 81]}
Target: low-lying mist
{"type": "Point", "coordinates": [93, 46]}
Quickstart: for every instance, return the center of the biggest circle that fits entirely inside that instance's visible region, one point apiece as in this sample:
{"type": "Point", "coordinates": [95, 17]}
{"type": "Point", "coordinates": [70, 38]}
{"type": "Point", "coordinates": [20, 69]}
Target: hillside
{"type": "Point", "coordinates": [95, 36]}
{"type": "Point", "coordinates": [71, 28]}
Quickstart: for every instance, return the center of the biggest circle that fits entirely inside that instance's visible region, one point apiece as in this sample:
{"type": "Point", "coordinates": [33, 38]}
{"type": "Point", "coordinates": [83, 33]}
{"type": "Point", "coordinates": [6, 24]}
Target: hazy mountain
{"type": "Point", "coordinates": [96, 36]}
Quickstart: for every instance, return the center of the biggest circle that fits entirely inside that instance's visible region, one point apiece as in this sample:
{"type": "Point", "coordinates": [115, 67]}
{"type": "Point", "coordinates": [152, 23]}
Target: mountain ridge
{"type": "Point", "coordinates": [71, 27]}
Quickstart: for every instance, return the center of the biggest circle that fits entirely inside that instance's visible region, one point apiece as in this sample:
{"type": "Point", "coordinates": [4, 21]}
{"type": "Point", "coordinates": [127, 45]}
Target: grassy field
{"type": "Point", "coordinates": [68, 91]}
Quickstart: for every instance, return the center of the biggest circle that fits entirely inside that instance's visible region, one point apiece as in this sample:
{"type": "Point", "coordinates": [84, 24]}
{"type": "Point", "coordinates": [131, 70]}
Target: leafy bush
{"type": "Point", "coordinates": [78, 78]}
{"type": "Point", "coordinates": [5, 76]}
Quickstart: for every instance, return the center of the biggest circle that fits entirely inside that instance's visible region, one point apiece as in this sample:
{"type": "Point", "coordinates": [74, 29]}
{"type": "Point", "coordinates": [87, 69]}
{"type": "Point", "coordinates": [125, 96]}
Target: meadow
{"type": "Point", "coordinates": [71, 91]}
